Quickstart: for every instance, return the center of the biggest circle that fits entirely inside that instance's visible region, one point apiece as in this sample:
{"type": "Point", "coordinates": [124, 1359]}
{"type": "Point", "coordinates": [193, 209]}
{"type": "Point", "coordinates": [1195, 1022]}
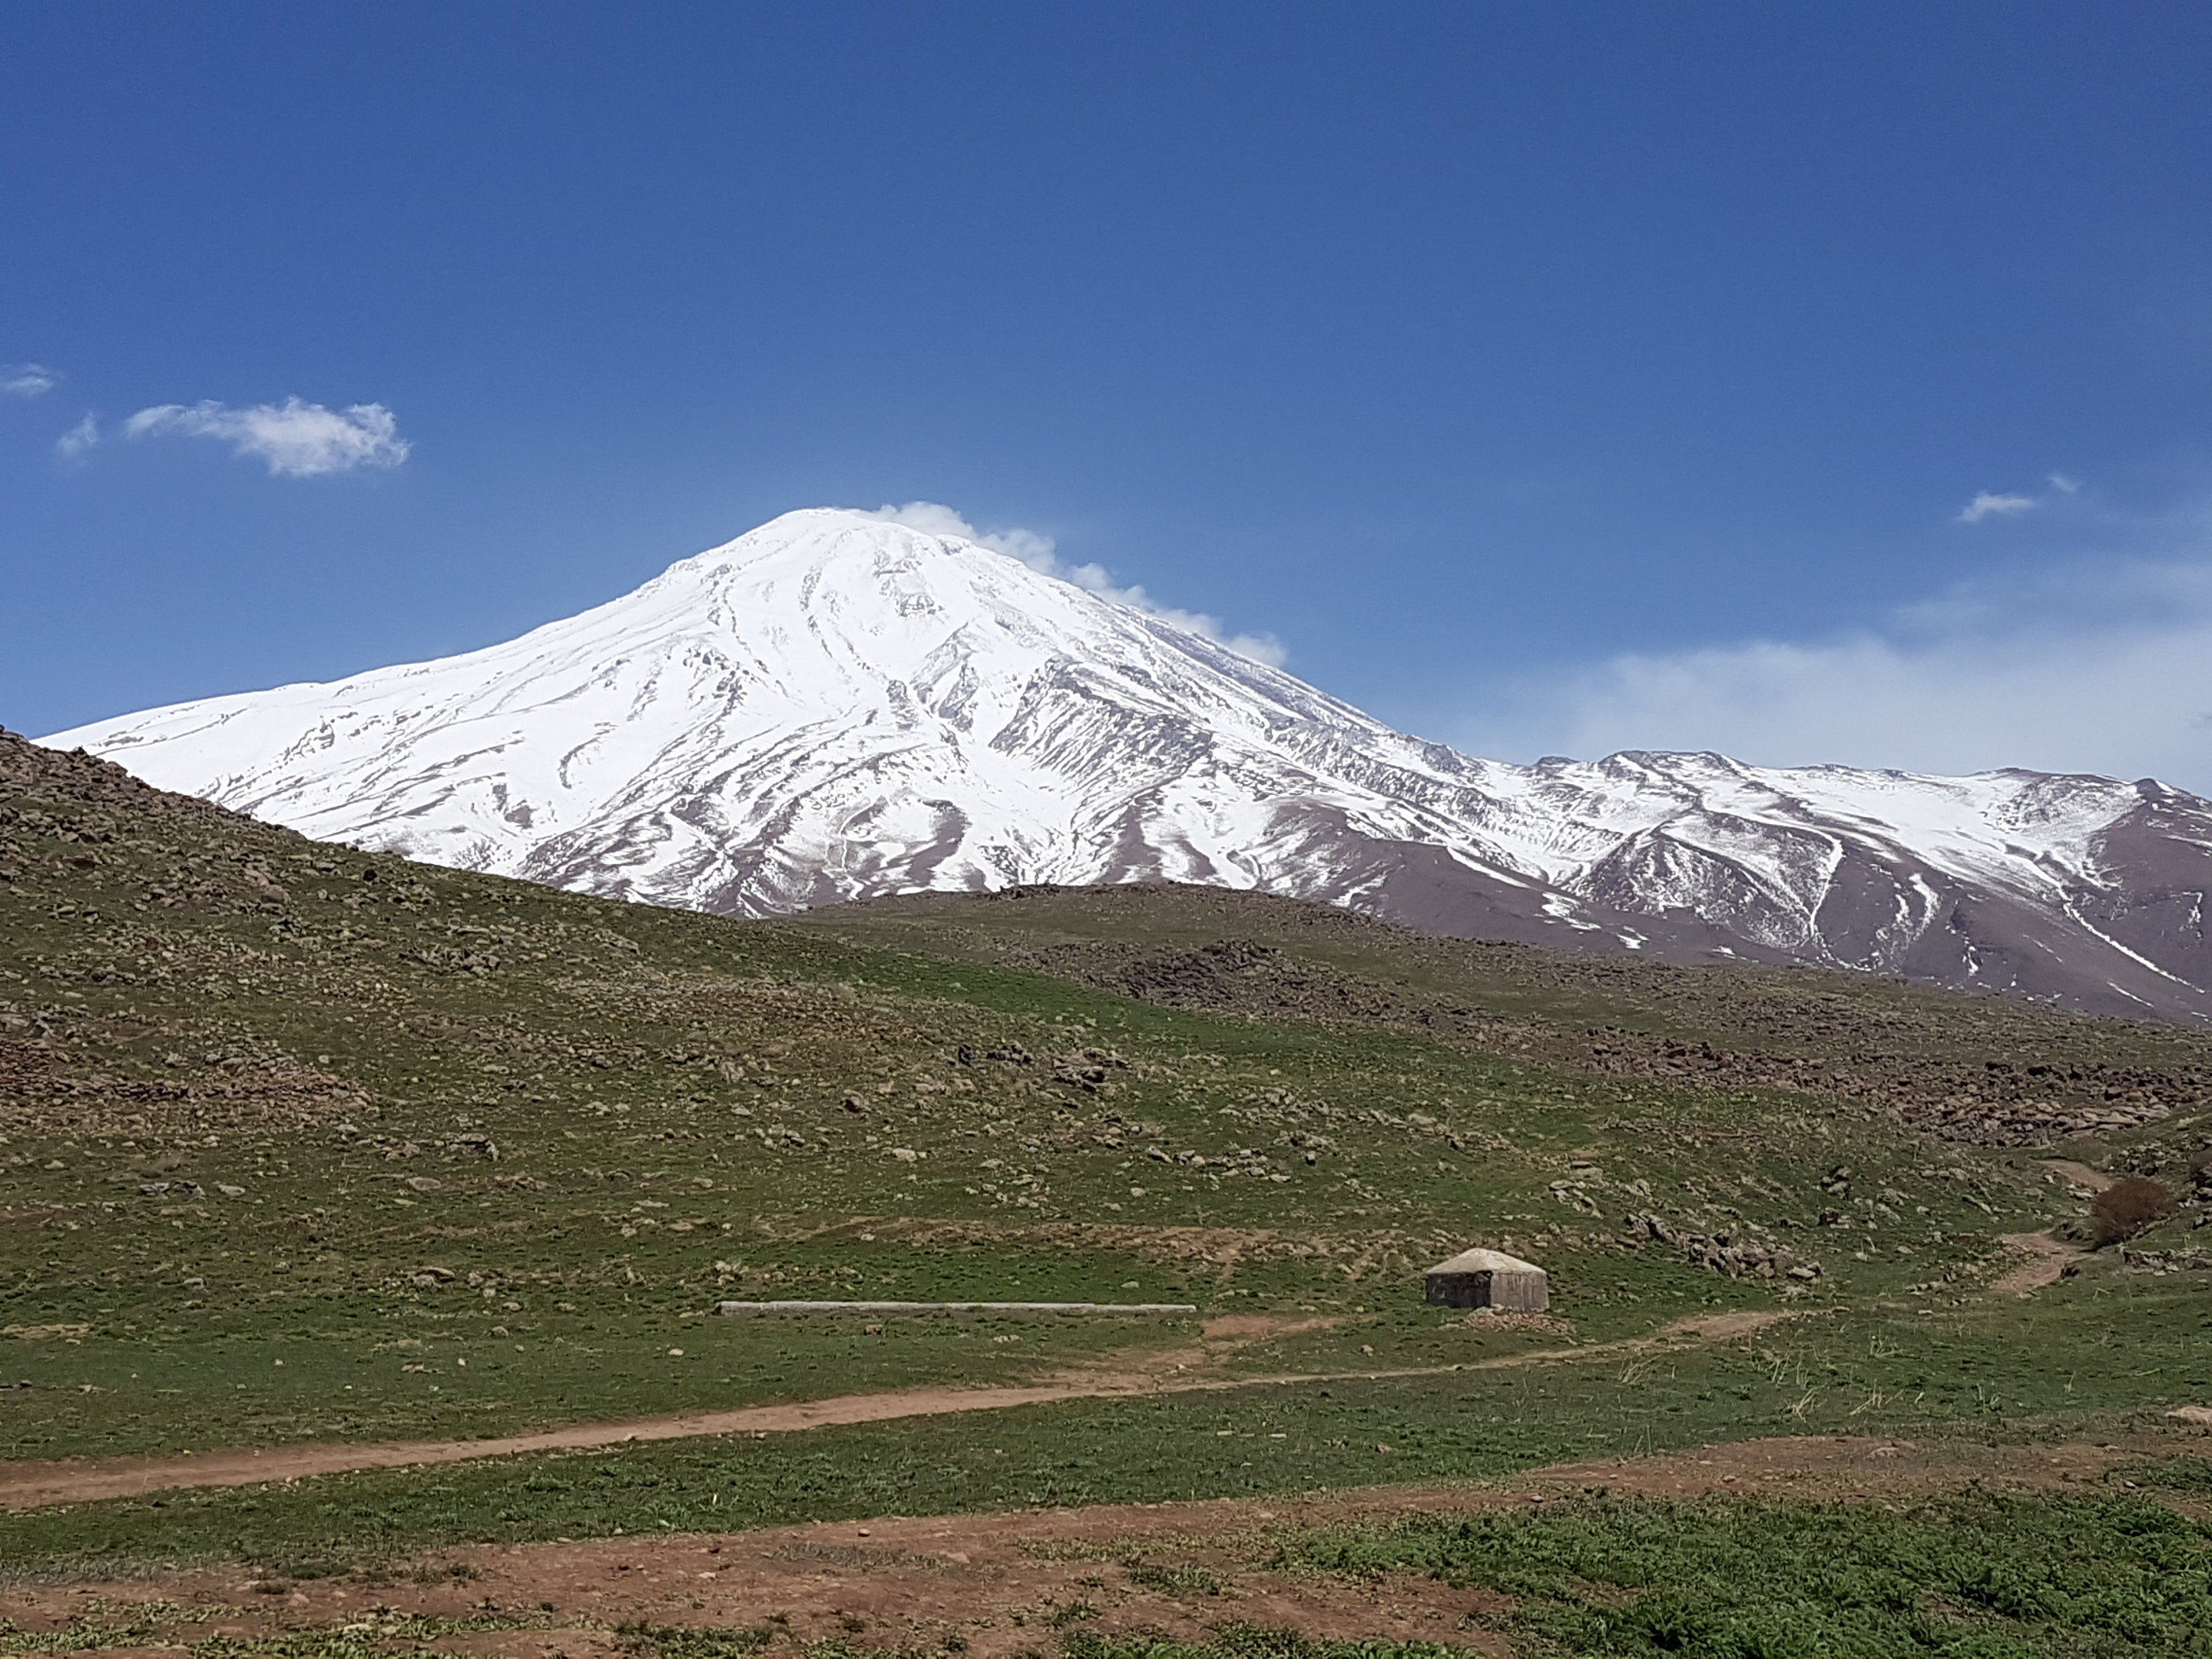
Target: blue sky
{"type": "Point", "coordinates": [1545, 378]}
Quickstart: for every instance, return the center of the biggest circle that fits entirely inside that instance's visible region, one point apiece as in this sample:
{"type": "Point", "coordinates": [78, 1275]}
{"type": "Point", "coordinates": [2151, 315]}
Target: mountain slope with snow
{"type": "Point", "coordinates": [834, 706]}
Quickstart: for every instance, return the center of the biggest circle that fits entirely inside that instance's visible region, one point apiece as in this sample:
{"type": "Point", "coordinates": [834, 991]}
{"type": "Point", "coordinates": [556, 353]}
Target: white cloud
{"type": "Point", "coordinates": [1987, 506]}
{"type": "Point", "coordinates": [72, 444]}
{"type": "Point", "coordinates": [2099, 668]}
{"type": "Point", "coordinates": [27, 379]}
{"type": "Point", "coordinates": [1038, 551]}
{"type": "Point", "coordinates": [932, 518]}
{"type": "Point", "coordinates": [297, 440]}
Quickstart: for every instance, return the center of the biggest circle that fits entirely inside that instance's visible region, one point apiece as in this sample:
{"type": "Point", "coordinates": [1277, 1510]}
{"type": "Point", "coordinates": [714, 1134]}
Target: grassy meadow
{"type": "Point", "coordinates": [299, 1143]}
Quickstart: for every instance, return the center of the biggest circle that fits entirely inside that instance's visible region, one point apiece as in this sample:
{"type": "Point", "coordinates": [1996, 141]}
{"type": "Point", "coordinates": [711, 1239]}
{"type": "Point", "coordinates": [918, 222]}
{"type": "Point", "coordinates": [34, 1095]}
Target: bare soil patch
{"type": "Point", "coordinates": [1243, 1328]}
{"type": "Point", "coordinates": [2046, 1261]}
{"type": "Point", "coordinates": [1726, 1327]}
{"type": "Point", "coordinates": [1008, 1583]}
{"type": "Point", "coordinates": [2078, 1174]}
{"type": "Point", "coordinates": [1221, 1339]}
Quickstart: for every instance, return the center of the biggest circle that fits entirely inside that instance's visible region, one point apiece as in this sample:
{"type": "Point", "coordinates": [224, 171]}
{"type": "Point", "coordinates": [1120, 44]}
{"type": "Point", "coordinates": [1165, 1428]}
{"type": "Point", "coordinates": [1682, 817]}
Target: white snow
{"type": "Point", "coordinates": [834, 705]}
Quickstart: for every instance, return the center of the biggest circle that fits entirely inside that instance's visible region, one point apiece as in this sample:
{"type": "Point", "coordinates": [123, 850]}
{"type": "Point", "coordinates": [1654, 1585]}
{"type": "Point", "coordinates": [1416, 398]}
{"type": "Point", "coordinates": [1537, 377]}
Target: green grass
{"type": "Point", "coordinates": [139, 1624]}
{"type": "Point", "coordinates": [1852, 1374]}
{"type": "Point", "coordinates": [1974, 1573]}
{"type": "Point", "coordinates": [2191, 1476]}
{"type": "Point", "coordinates": [412, 1152]}
{"type": "Point", "coordinates": [630, 1195]}
{"type": "Point", "coordinates": [1238, 1640]}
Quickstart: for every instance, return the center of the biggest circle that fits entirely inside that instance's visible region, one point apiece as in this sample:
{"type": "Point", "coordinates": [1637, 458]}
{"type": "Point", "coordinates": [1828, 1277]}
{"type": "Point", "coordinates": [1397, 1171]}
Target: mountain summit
{"type": "Point", "coordinates": [836, 705]}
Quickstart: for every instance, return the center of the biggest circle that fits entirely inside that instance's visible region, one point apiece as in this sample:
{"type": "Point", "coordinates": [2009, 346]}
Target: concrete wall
{"type": "Point", "coordinates": [1522, 1292]}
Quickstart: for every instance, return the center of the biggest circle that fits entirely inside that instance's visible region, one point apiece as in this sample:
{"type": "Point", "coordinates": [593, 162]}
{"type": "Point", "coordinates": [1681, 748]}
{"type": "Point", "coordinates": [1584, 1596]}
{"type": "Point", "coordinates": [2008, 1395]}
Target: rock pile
{"type": "Point", "coordinates": [2033, 1122]}
{"type": "Point", "coordinates": [1735, 1255]}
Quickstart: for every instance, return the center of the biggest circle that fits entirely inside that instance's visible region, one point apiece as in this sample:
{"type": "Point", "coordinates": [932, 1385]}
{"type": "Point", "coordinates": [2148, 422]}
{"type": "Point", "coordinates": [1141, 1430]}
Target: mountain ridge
{"type": "Point", "coordinates": [834, 706]}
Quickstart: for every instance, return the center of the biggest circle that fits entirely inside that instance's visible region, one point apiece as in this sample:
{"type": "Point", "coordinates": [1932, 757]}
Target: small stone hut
{"type": "Point", "coordinates": [1489, 1278]}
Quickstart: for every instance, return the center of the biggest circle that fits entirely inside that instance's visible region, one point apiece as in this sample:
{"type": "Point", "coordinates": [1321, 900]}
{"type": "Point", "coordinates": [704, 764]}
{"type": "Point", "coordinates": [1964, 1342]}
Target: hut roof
{"type": "Point", "coordinates": [1477, 1261]}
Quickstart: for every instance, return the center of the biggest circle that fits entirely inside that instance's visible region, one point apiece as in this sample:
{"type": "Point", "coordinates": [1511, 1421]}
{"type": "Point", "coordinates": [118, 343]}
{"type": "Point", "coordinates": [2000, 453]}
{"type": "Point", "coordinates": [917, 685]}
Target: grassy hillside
{"type": "Point", "coordinates": [1988, 1069]}
{"type": "Point", "coordinates": [299, 1143]}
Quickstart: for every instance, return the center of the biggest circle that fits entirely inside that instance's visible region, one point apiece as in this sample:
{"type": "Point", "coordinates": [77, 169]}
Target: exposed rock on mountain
{"type": "Point", "coordinates": [834, 706]}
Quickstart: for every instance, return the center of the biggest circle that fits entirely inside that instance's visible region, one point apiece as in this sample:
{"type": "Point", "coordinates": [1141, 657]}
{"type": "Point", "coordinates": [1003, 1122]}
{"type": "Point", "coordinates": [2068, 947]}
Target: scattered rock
{"type": "Point", "coordinates": [1725, 1252]}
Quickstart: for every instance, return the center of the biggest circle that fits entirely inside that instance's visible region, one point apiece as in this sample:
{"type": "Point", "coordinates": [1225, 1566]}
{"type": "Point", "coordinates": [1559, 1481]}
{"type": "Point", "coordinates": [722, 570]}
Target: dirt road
{"type": "Point", "coordinates": [25, 1485]}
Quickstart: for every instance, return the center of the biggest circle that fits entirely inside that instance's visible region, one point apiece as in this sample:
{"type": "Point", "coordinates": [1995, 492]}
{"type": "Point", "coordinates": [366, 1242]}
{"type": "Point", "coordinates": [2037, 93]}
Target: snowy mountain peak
{"type": "Point", "coordinates": [836, 705]}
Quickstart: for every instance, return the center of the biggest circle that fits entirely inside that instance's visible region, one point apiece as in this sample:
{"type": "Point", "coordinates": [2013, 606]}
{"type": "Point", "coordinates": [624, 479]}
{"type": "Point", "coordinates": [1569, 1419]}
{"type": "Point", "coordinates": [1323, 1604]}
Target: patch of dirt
{"type": "Point", "coordinates": [2047, 1259]}
{"type": "Point", "coordinates": [1836, 1468]}
{"type": "Point", "coordinates": [1241, 1330]}
{"type": "Point", "coordinates": [2078, 1174]}
{"type": "Point", "coordinates": [1726, 1327]}
{"type": "Point", "coordinates": [1007, 1583]}
{"type": "Point", "coordinates": [1223, 1338]}
{"type": "Point", "coordinates": [1503, 1319]}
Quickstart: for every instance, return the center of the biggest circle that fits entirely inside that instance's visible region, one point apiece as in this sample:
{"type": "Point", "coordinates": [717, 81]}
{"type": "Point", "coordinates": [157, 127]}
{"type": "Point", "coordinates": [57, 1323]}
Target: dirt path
{"type": "Point", "coordinates": [2079, 1175]}
{"type": "Point", "coordinates": [1002, 1584]}
{"type": "Point", "coordinates": [26, 1486]}
{"type": "Point", "coordinates": [2047, 1259]}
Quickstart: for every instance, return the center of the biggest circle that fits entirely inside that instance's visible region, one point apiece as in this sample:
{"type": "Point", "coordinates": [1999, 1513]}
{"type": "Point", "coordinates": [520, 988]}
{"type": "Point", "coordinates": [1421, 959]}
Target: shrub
{"type": "Point", "coordinates": [2126, 1207]}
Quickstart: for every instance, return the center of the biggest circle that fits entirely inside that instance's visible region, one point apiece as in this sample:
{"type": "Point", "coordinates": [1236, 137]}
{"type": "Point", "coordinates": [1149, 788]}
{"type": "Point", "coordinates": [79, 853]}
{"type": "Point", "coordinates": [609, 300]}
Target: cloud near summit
{"type": "Point", "coordinates": [2100, 666]}
{"type": "Point", "coordinates": [297, 440]}
{"type": "Point", "coordinates": [1038, 551]}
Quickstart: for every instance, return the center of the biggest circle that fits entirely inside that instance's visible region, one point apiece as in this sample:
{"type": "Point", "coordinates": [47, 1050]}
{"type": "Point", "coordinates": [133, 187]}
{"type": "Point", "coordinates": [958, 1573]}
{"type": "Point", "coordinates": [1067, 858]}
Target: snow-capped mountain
{"type": "Point", "coordinates": [836, 706]}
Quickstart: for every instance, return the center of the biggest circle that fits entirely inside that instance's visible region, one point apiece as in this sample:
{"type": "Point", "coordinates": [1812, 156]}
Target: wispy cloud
{"type": "Point", "coordinates": [27, 379]}
{"type": "Point", "coordinates": [1988, 506]}
{"type": "Point", "coordinates": [2102, 667]}
{"type": "Point", "coordinates": [1038, 552]}
{"type": "Point", "coordinates": [297, 440]}
{"type": "Point", "coordinates": [1996, 504]}
{"type": "Point", "coordinates": [73, 444]}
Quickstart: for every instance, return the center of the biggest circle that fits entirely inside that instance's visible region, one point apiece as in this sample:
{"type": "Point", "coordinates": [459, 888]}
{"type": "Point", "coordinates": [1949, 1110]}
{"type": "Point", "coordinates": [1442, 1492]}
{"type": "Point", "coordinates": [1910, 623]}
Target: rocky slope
{"type": "Point", "coordinates": [834, 706]}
